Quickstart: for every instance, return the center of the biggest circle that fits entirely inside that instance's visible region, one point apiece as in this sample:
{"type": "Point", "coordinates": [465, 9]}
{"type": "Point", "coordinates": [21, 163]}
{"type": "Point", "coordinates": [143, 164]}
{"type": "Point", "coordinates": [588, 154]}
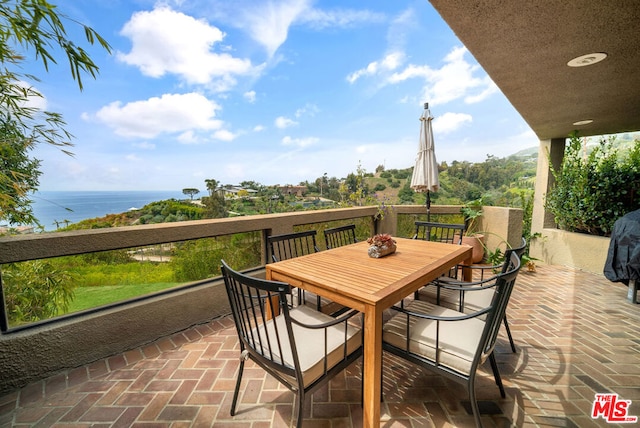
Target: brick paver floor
{"type": "Point", "coordinates": [576, 336]}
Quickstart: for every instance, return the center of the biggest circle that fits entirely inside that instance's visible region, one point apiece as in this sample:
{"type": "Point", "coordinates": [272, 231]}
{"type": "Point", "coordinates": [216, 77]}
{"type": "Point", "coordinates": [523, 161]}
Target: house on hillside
{"type": "Point", "coordinates": [235, 191]}
{"type": "Point", "coordinates": [290, 190]}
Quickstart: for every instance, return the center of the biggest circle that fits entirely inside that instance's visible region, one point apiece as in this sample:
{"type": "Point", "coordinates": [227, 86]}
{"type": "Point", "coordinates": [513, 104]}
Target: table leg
{"type": "Point", "coordinates": [467, 274]}
{"type": "Point", "coordinates": [371, 375]}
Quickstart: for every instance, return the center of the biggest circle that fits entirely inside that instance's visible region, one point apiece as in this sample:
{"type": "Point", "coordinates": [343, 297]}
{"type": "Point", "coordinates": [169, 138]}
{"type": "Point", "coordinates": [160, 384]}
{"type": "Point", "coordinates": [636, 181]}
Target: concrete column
{"type": "Point", "coordinates": [550, 154]}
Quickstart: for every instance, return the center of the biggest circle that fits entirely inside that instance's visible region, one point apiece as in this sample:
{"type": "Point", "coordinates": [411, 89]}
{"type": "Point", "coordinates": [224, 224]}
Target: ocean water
{"type": "Point", "coordinates": [74, 206]}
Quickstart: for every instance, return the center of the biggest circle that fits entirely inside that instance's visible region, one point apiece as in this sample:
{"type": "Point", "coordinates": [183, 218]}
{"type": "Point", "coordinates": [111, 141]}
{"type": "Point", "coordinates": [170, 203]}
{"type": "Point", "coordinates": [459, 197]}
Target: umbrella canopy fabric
{"type": "Point", "coordinates": [425, 173]}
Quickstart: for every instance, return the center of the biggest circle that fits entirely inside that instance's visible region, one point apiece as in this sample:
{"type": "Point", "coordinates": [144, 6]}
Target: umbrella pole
{"type": "Point", "coordinates": [428, 205]}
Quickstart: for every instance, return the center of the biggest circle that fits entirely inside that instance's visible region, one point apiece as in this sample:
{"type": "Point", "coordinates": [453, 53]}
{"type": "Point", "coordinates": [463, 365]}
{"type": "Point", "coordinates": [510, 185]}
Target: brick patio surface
{"type": "Point", "coordinates": [576, 334]}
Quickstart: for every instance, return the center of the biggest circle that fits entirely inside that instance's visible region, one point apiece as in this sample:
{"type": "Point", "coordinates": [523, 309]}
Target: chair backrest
{"type": "Point", "coordinates": [441, 232]}
{"type": "Point", "coordinates": [253, 301]}
{"type": "Point", "coordinates": [290, 245]}
{"type": "Point", "coordinates": [505, 282]}
{"type": "Point", "coordinates": [518, 251]}
{"type": "Point", "coordinates": [339, 236]}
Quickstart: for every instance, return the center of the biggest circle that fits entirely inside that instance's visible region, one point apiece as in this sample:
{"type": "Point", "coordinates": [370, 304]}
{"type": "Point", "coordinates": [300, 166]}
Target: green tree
{"type": "Point", "coordinates": [215, 206]}
{"type": "Point", "coordinates": [406, 194]}
{"type": "Point", "coordinates": [35, 290]}
{"type": "Point", "coordinates": [212, 185]}
{"type": "Point", "coordinates": [190, 191]}
{"type": "Point", "coordinates": [32, 29]}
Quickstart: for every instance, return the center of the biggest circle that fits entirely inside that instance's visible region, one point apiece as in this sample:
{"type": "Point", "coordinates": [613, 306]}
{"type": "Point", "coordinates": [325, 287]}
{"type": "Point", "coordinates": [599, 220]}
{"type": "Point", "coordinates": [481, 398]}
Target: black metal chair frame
{"type": "Point", "coordinates": [339, 236]}
{"type": "Point", "coordinates": [459, 286]}
{"type": "Point", "coordinates": [449, 233]}
{"type": "Point", "coordinates": [492, 316]}
{"type": "Point", "coordinates": [289, 245]}
{"type": "Point", "coordinates": [272, 334]}
{"type": "Point", "coordinates": [441, 232]}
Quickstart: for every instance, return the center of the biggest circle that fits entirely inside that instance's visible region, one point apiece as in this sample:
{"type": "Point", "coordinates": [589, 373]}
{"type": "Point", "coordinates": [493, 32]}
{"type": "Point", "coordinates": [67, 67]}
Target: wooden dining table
{"type": "Point", "coordinates": [348, 276]}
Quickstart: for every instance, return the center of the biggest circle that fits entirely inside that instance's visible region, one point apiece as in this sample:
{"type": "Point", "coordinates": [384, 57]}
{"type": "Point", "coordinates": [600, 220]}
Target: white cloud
{"type": "Point", "coordinates": [307, 110]}
{"type": "Point", "coordinates": [456, 79]}
{"type": "Point", "coordinates": [189, 137]}
{"type": "Point", "coordinates": [450, 122]}
{"type": "Point", "coordinates": [490, 89]}
{"type": "Point", "coordinates": [250, 96]}
{"type": "Point", "coordinates": [166, 41]}
{"type": "Point", "coordinates": [32, 101]}
{"type": "Point", "coordinates": [170, 113]}
{"type": "Point", "coordinates": [389, 63]}
{"type": "Point", "coordinates": [224, 135]}
{"type": "Point", "coordinates": [320, 19]}
{"type": "Point", "coordinates": [282, 122]}
{"type": "Point", "coordinates": [268, 22]}
{"type": "Point", "coordinates": [144, 145]}
{"type": "Point", "coordinates": [299, 142]}
{"type": "Point", "coordinates": [258, 128]}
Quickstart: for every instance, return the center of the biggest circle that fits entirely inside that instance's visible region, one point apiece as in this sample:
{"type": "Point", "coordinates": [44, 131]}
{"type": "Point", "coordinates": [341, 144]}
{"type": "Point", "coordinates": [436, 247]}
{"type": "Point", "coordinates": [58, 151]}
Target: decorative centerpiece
{"type": "Point", "coordinates": [381, 245]}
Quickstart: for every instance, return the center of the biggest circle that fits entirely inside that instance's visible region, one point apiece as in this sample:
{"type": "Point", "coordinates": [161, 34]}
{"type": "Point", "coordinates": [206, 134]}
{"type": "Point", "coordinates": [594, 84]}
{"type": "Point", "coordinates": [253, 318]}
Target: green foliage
{"type": "Point", "coordinates": [590, 193]}
{"type": "Point", "coordinates": [200, 259]}
{"type": "Point", "coordinates": [31, 27]}
{"type": "Point", "coordinates": [19, 174]}
{"type": "Point", "coordinates": [130, 273]}
{"type": "Point", "coordinates": [191, 192]}
{"type": "Point", "coordinates": [405, 195]}
{"type": "Point", "coordinates": [92, 297]}
{"type": "Point", "coordinates": [215, 206]}
{"type": "Point", "coordinates": [39, 290]}
{"type": "Point", "coordinates": [170, 210]}
{"type": "Point", "coordinates": [495, 257]}
{"type": "Point", "coordinates": [35, 290]}
{"type": "Point", "coordinates": [110, 257]}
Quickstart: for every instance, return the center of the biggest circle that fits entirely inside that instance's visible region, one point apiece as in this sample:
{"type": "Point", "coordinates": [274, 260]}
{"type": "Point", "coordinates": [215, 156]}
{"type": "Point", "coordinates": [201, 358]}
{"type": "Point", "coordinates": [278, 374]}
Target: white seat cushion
{"type": "Point", "coordinates": [310, 343]}
{"type": "Point", "coordinates": [458, 340]}
{"type": "Point", "coordinates": [473, 300]}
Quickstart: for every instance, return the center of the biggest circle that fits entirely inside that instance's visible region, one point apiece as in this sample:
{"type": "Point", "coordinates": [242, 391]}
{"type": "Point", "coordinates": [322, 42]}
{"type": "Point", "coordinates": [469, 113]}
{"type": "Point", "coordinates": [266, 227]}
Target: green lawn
{"type": "Point", "coordinates": [91, 297]}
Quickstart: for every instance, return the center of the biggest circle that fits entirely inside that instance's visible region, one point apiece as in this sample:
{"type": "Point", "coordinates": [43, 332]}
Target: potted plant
{"type": "Point", "coordinates": [472, 237]}
{"type": "Point", "coordinates": [381, 245]}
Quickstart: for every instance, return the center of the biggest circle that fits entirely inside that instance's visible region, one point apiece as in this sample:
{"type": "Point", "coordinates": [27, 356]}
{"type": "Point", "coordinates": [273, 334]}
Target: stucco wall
{"type": "Point", "coordinates": [558, 247]}
{"type": "Point", "coordinates": [39, 352]}
{"type": "Point", "coordinates": [500, 225]}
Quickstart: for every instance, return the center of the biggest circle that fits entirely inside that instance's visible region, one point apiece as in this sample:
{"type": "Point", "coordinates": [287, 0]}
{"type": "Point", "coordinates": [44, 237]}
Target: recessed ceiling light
{"type": "Point", "coordinates": [588, 59]}
{"type": "Point", "coordinates": [583, 122]}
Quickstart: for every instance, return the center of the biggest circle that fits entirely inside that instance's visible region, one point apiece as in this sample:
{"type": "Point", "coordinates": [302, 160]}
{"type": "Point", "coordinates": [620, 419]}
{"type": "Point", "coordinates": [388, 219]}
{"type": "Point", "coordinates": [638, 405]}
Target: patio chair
{"type": "Point", "coordinates": [449, 342]}
{"type": "Point", "coordinates": [290, 245]}
{"type": "Point", "coordinates": [301, 348]}
{"type": "Point", "coordinates": [450, 293]}
{"type": "Point", "coordinates": [339, 236]}
{"type": "Point", "coordinates": [449, 233]}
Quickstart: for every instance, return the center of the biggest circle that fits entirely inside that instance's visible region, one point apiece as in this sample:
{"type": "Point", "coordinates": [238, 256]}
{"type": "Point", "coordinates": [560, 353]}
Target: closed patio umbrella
{"type": "Point", "coordinates": [425, 172]}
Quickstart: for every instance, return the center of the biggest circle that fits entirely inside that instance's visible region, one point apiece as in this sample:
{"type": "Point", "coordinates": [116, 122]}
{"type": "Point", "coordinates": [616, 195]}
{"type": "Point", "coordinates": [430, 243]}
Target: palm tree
{"type": "Point", "coordinates": [212, 185]}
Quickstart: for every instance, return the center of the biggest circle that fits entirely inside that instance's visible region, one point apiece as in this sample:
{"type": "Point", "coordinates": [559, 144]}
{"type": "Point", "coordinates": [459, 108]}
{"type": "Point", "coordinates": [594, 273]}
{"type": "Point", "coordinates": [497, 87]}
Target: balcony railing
{"type": "Point", "coordinates": [37, 350]}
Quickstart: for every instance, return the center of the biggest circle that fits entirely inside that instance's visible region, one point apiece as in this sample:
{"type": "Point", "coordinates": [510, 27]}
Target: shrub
{"type": "Point", "coordinates": [35, 290]}
{"type": "Point", "coordinates": [590, 193]}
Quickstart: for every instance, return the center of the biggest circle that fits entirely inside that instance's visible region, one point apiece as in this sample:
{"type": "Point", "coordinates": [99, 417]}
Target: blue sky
{"type": "Point", "coordinates": [276, 92]}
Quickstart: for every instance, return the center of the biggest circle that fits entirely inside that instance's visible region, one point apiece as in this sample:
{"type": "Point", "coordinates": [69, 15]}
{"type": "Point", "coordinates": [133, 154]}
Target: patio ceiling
{"type": "Point", "coordinates": [525, 48]}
